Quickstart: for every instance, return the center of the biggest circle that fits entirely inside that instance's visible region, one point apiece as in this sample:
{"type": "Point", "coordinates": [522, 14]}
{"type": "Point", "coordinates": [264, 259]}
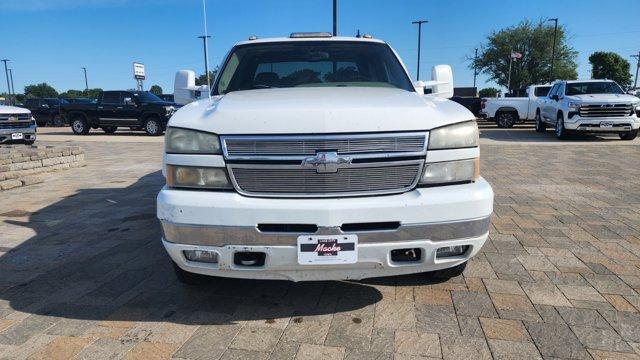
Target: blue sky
{"type": "Point", "coordinates": [50, 40]}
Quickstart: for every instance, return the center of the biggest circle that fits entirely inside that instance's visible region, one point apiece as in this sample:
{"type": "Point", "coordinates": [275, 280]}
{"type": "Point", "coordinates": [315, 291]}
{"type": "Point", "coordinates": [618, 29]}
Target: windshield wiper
{"type": "Point", "coordinates": [263, 86]}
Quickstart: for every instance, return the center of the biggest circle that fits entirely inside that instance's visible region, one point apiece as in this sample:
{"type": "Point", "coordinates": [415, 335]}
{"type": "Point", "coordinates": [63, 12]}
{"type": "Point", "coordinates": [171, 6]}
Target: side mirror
{"type": "Point", "coordinates": [419, 86]}
{"type": "Point", "coordinates": [441, 83]}
{"type": "Point", "coordinates": [555, 97]}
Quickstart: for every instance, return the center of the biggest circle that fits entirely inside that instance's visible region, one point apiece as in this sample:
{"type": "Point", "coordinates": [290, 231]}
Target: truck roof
{"type": "Point", "coordinates": [586, 80]}
{"type": "Point", "coordinates": [309, 38]}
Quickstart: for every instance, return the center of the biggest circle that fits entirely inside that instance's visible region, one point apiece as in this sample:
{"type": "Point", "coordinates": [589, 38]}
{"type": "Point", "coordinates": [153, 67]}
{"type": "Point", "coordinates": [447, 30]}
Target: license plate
{"type": "Point", "coordinates": [327, 249]}
{"type": "Point", "coordinates": [17, 136]}
{"type": "Point", "coordinates": [606, 124]}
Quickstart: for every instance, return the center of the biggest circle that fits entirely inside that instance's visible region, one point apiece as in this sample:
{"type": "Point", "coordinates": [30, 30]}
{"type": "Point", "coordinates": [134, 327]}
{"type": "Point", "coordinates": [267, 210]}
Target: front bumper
{"type": "Point", "coordinates": [226, 222]}
{"type": "Point", "coordinates": [28, 132]}
{"type": "Point", "coordinates": [593, 124]}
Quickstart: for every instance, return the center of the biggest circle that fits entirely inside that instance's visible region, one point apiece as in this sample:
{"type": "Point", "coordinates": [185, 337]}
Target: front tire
{"type": "Point", "coordinates": [189, 278]}
{"type": "Point", "coordinates": [80, 126]}
{"type": "Point", "coordinates": [628, 135]}
{"type": "Point", "coordinates": [506, 119]}
{"type": "Point", "coordinates": [109, 129]}
{"type": "Point", "coordinates": [561, 132]}
{"type": "Point", "coordinates": [57, 121]}
{"type": "Point", "coordinates": [152, 126]}
{"type": "Point", "coordinates": [541, 126]}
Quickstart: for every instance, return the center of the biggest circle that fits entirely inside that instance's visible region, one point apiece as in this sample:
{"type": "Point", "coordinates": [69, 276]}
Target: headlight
{"type": "Point", "coordinates": [184, 141]}
{"type": "Point", "coordinates": [197, 177]}
{"type": "Point", "coordinates": [574, 105]}
{"type": "Point", "coordinates": [451, 172]}
{"type": "Point", "coordinates": [462, 135]}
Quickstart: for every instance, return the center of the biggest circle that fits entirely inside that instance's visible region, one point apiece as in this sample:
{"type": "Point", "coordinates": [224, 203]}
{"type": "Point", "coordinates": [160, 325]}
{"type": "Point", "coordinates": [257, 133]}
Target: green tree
{"type": "Point", "coordinates": [202, 79]}
{"type": "Point", "coordinates": [156, 90]}
{"type": "Point", "coordinates": [535, 42]}
{"type": "Point", "coordinates": [93, 93]}
{"type": "Point", "coordinates": [71, 93]}
{"type": "Point", "coordinates": [609, 65]}
{"type": "Point", "coordinates": [40, 90]}
{"type": "Point", "coordinates": [488, 92]}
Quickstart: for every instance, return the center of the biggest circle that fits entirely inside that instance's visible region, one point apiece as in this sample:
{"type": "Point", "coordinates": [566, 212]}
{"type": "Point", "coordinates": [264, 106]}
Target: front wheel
{"type": "Point", "coordinates": [628, 135]}
{"type": "Point", "coordinates": [57, 121]}
{"type": "Point", "coordinates": [561, 132]}
{"type": "Point", "coordinates": [189, 278]}
{"type": "Point", "coordinates": [541, 126]}
{"type": "Point", "coordinates": [80, 126]}
{"type": "Point", "coordinates": [506, 119]}
{"type": "Point", "coordinates": [152, 127]}
{"type": "Point", "coordinates": [109, 129]}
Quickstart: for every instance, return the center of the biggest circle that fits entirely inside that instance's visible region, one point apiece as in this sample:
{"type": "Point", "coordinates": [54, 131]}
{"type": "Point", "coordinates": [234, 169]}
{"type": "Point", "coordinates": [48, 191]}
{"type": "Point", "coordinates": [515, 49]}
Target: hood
{"type": "Point", "coordinates": [604, 98]}
{"type": "Point", "coordinates": [4, 109]}
{"type": "Point", "coordinates": [309, 110]}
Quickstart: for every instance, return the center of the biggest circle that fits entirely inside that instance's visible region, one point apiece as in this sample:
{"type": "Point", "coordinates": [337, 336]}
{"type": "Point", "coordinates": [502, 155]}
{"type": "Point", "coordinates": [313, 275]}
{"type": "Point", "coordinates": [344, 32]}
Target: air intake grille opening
{"type": "Point", "coordinates": [372, 226]}
{"type": "Point", "coordinates": [288, 228]}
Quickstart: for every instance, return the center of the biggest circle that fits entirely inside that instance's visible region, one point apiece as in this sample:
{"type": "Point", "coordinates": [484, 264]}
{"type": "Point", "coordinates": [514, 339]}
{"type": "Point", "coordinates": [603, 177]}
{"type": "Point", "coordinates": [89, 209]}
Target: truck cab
{"type": "Point", "coordinates": [317, 158]}
{"type": "Point", "coordinates": [589, 106]}
{"type": "Point", "coordinates": [118, 108]}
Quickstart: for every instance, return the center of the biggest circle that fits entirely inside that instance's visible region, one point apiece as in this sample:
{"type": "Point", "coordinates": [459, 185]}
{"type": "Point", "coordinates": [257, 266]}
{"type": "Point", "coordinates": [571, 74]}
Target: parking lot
{"type": "Point", "coordinates": [84, 273]}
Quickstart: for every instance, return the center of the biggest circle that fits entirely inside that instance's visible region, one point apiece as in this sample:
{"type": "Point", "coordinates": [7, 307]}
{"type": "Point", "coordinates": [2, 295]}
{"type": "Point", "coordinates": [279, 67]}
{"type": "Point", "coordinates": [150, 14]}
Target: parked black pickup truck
{"type": "Point", "coordinates": [45, 110]}
{"type": "Point", "coordinates": [132, 109]}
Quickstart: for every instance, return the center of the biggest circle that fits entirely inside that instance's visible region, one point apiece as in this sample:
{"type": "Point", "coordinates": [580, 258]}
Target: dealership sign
{"type": "Point", "coordinates": [138, 71]}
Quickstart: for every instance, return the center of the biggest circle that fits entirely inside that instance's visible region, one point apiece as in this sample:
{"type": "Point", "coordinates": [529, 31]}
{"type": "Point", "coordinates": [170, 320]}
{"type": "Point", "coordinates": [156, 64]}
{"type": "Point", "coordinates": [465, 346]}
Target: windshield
{"type": "Point", "coordinates": [584, 88]}
{"type": "Point", "coordinates": [145, 96]}
{"type": "Point", "coordinates": [311, 63]}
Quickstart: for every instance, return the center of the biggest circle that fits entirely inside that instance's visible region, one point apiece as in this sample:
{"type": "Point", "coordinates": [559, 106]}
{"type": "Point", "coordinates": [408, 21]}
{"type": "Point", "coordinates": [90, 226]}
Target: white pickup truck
{"type": "Point", "coordinates": [508, 111]}
{"type": "Point", "coordinates": [589, 106]}
{"type": "Point", "coordinates": [17, 124]}
{"type": "Point", "coordinates": [316, 158]}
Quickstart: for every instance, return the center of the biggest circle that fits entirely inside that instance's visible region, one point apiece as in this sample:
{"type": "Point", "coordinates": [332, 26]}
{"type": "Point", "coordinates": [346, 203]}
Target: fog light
{"type": "Point", "coordinates": [201, 256]}
{"type": "Point", "coordinates": [450, 251]}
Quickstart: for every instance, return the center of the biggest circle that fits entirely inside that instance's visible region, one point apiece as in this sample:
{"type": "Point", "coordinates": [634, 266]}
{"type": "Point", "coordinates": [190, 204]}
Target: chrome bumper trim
{"type": "Point", "coordinates": [25, 130]}
{"type": "Point", "coordinates": [220, 235]}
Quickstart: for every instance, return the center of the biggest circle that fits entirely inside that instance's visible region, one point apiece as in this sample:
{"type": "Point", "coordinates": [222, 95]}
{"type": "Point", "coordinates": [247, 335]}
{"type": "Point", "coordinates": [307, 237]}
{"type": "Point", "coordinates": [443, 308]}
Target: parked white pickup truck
{"type": "Point", "coordinates": [589, 106]}
{"type": "Point", "coordinates": [17, 124]}
{"type": "Point", "coordinates": [316, 158]}
{"type": "Point", "coordinates": [508, 111]}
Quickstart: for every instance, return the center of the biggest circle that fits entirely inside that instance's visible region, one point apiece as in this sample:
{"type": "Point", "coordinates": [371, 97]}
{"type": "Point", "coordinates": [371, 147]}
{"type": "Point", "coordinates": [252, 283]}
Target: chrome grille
{"type": "Point", "coordinates": [325, 165]}
{"type": "Point", "coordinates": [310, 145]}
{"type": "Point", "coordinates": [606, 110]}
{"type": "Point", "coordinates": [15, 121]}
{"type": "Point", "coordinates": [296, 181]}
{"type": "Point", "coordinates": [19, 117]}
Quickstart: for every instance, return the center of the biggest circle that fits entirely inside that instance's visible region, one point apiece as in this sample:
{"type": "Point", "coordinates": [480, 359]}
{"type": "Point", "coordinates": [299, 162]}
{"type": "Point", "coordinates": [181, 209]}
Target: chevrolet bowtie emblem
{"type": "Point", "coordinates": [12, 118]}
{"type": "Point", "coordinates": [326, 162]}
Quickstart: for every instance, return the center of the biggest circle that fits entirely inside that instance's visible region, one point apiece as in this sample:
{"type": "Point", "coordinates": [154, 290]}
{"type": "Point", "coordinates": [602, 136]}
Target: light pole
{"type": "Point", "coordinates": [419, 22]}
{"type": "Point", "coordinates": [335, 17]}
{"type": "Point", "coordinates": [635, 82]}
{"type": "Point", "coordinates": [475, 67]}
{"type": "Point", "coordinates": [205, 39]}
{"type": "Point", "coordinates": [6, 73]}
{"type": "Point", "coordinates": [86, 83]}
{"type": "Point", "coordinates": [13, 90]}
{"type": "Point", "coordinates": [553, 50]}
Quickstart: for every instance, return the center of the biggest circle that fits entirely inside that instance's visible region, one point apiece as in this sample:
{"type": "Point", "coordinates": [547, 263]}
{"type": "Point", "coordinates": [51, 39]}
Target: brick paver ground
{"type": "Point", "coordinates": [83, 273]}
